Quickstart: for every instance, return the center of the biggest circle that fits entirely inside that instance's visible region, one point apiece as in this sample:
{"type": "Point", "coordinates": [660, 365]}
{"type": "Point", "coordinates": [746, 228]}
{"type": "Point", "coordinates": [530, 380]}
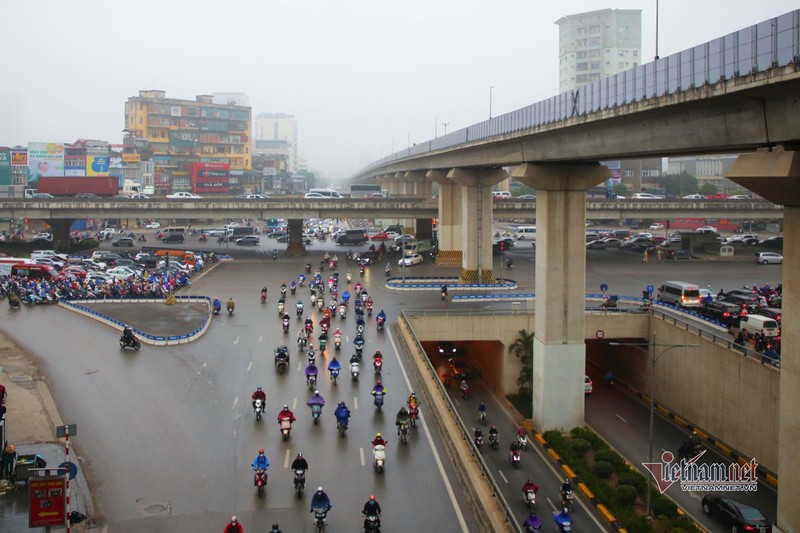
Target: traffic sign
{"type": "Point", "coordinates": [47, 501]}
{"type": "Point", "coordinates": [61, 431]}
{"type": "Point", "coordinates": [603, 287]}
{"type": "Point", "coordinates": [73, 469]}
{"type": "Point", "coordinates": [600, 334]}
{"type": "Point", "coordinates": [650, 289]}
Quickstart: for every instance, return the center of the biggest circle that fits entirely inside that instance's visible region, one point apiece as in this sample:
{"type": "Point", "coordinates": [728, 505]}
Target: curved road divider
{"type": "Point", "coordinates": [146, 338]}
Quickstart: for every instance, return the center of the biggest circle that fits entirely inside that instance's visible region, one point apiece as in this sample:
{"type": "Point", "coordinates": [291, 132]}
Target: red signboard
{"type": "Point", "coordinates": [211, 177]}
{"type": "Point", "coordinates": [47, 501]}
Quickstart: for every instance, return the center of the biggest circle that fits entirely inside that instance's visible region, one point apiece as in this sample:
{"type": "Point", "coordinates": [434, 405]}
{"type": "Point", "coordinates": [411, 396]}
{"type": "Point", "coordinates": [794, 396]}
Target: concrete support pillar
{"type": "Point", "coordinates": [405, 186]}
{"type": "Point", "coordinates": [415, 186]}
{"type": "Point", "coordinates": [559, 350]}
{"type": "Point", "coordinates": [448, 225]}
{"type": "Point", "coordinates": [476, 221]}
{"type": "Point", "coordinates": [296, 247]}
{"type": "Point", "coordinates": [60, 228]}
{"type": "Point", "coordinates": [775, 175]}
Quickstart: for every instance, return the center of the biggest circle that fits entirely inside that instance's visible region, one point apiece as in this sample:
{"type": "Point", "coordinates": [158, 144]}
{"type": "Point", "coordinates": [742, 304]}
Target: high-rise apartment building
{"type": "Point", "coordinates": [279, 127]}
{"type": "Point", "coordinates": [597, 44]}
{"type": "Point", "coordinates": [182, 133]}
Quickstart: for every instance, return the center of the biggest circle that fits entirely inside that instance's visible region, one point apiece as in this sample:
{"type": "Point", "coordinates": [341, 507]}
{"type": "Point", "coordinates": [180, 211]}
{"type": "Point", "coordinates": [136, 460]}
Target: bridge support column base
{"type": "Point", "coordinates": [558, 400]}
{"type": "Point", "coordinates": [60, 228]}
{"type": "Point", "coordinates": [471, 276]}
{"type": "Point", "coordinates": [295, 249]}
{"type": "Point", "coordinates": [449, 258]}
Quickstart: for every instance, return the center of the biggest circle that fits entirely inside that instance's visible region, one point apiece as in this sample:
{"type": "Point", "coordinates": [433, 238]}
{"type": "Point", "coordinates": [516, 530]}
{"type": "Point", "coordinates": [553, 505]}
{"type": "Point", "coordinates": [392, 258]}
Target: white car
{"type": "Point", "coordinates": [120, 273]}
{"type": "Point", "coordinates": [706, 229]}
{"type": "Point", "coordinates": [58, 265]}
{"type": "Point", "coordinates": [43, 236]}
{"type": "Point", "coordinates": [694, 197]}
{"type": "Point", "coordinates": [764, 258]}
{"type": "Point", "coordinates": [410, 260]}
{"type": "Point", "coordinates": [232, 225]}
{"type": "Point", "coordinates": [183, 196]}
{"type": "Point", "coordinates": [392, 235]}
{"type": "Point", "coordinates": [646, 196]}
{"type": "Point", "coordinates": [739, 197]}
{"type": "Point", "coordinates": [49, 253]}
{"type": "Point", "coordinates": [153, 225]}
{"type": "Point", "coordinates": [657, 225]}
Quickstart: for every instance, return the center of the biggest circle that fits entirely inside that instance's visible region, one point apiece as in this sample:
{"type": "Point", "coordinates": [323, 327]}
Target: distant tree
{"type": "Point", "coordinates": [522, 348]}
{"type": "Point", "coordinates": [311, 178]}
{"type": "Point", "coordinates": [707, 189]}
{"type": "Point", "coordinates": [620, 189]}
{"type": "Point", "coordinates": [678, 184]}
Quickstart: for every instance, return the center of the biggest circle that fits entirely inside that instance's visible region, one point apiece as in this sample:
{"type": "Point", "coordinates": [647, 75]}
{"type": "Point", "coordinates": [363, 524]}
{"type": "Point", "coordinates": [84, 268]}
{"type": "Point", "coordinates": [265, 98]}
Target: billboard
{"type": "Point", "coordinates": [211, 177]}
{"type": "Point", "coordinates": [97, 165]}
{"type": "Point", "coordinates": [45, 159]}
{"type": "Point", "coordinates": [19, 158]}
{"type": "Point", "coordinates": [47, 501]}
{"type": "Point", "coordinates": [75, 166]}
{"type": "Point", "coordinates": [115, 151]}
{"type": "Point", "coordinates": [5, 166]}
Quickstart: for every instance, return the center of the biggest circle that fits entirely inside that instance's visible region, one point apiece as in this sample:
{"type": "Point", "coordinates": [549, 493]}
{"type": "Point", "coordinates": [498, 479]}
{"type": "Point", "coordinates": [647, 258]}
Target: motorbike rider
{"type": "Point", "coordinates": [378, 389]}
{"type": "Point", "coordinates": [478, 434]}
{"type": "Point", "coordinates": [320, 501]}
{"type": "Point", "coordinates": [369, 302]}
{"type": "Point", "coordinates": [378, 440]}
{"type": "Point", "coordinates": [234, 526]}
{"type": "Point", "coordinates": [286, 413]}
{"type": "Point", "coordinates": [403, 418]}
{"type": "Point", "coordinates": [275, 529]}
{"type": "Point", "coordinates": [316, 399]}
{"type": "Point", "coordinates": [481, 410]}
{"type": "Point", "coordinates": [532, 522]}
{"type": "Point", "coordinates": [464, 387]}
{"type": "Point", "coordinates": [230, 305]}
{"type": "Point", "coordinates": [444, 290]}
{"type": "Point", "coordinates": [372, 508]}
{"type": "Point", "coordinates": [217, 305]}
{"type": "Point", "coordinates": [493, 432]}
{"type": "Point", "coordinates": [300, 463]}
{"type": "Point", "coordinates": [565, 488]}
{"type": "Point", "coordinates": [530, 486]}
{"type": "Point", "coordinates": [334, 365]}
{"type": "Point", "coordinates": [260, 463]}
{"type": "Point", "coordinates": [381, 316]}
{"type": "Point", "coordinates": [309, 324]}
{"type": "Point", "coordinates": [127, 335]}
{"type": "Point", "coordinates": [263, 293]}
{"type": "Point", "coordinates": [377, 356]}
{"type": "Point", "coordinates": [342, 414]}
{"type": "Point", "coordinates": [259, 395]}
{"type": "Point", "coordinates": [311, 371]}
{"type": "Point", "coordinates": [412, 400]}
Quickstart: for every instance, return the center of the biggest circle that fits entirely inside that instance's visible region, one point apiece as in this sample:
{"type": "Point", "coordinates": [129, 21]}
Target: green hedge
{"type": "Point", "coordinates": [620, 500]}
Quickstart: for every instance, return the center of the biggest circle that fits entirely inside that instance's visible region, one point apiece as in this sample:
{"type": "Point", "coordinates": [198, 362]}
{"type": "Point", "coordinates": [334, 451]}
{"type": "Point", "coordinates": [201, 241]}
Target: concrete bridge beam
{"type": "Point", "coordinates": [559, 360]}
{"type": "Point", "coordinates": [476, 225]}
{"type": "Point", "coordinates": [775, 175]}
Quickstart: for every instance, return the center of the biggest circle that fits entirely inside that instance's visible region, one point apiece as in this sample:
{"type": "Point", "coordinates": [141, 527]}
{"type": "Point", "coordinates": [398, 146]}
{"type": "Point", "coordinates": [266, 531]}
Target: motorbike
{"type": "Point", "coordinates": [494, 442]}
{"type": "Point", "coordinates": [217, 309]}
{"type": "Point", "coordinates": [320, 303]}
{"type": "Point", "coordinates": [349, 278]}
{"type": "Point", "coordinates": [509, 264]}
{"type": "Point", "coordinates": [369, 309]}
{"type": "Point", "coordinates": [281, 307]}
{"type": "Point", "coordinates": [358, 342]}
{"type": "Point", "coordinates": [301, 342]}
{"type": "Point", "coordinates": [533, 524]}
{"type": "Point", "coordinates": [311, 380]}
{"type": "Point", "coordinates": [379, 456]}
{"type": "Point", "coordinates": [360, 328]}
{"type": "Point", "coordinates": [142, 238]}
{"type": "Point", "coordinates": [320, 516]}
{"type": "Point", "coordinates": [335, 375]}
{"type": "Point", "coordinates": [133, 342]}
{"type": "Point", "coordinates": [259, 409]}
{"type": "Point", "coordinates": [482, 417]}
{"type": "Point", "coordinates": [378, 400]}
{"type": "Point", "coordinates": [298, 311]}
{"type": "Point", "coordinates": [16, 304]}
{"type": "Point", "coordinates": [337, 342]}
{"type": "Point", "coordinates": [281, 365]}
{"type": "Point", "coordinates": [371, 522]}
{"type": "Point", "coordinates": [308, 268]}
{"type": "Point", "coordinates": [309, 328]}
{"type": "Point", "coordinates": [515, 457]}
{"type": "Point", "coordinates": [564, 522]}
{"type": "Point", "coordinates": [342, 312]}
{"type": "Point", "coordinates": [354, 370]}
{"type": "Point", "coordinates": [530, 499]}
{"type": "Point", "coordinates": [568, 500]}
{"type": "Point", "coordinates": [444, 295]}
{"type": "Point", "coordinates": [387, 271]}
{"type": "Point", "coordinates": [378, 364]}
{"type": "Point", "coordinates": [380, 322]}
{"type": "Point", "coordinates": [230, 308]}
{"type": "Point", "coordinates": [293, 288]}
{"type": "Point", "coordinates": [312, 355]}
{"type": "Point", "coordinates": [261, 480]}
{"type": "Point", "coordinates": [413, 410]}
{"type": "Point", "coordinates": [341, 426]}
{"type": "Point", "coordinates": [299, 481]}
{"type": "Point", "coordinates": [316, 410]}
{"type": "Point", "coordinates": [263, 297]}
{"type": "Point", "coordinates": [522, 440]}
{"type": "Point", "coordinates": [404, 432]}
{"type": "Point", "coordinates": [203, 237]}
{"type": "Point", "coordinates": [464, 392]}
{"type": "Point", "coordinates": [286, 427]}
{"type": "Point", "coordinates": [479, 441]}
{"type": "Point", "coordinates": [361, 271]}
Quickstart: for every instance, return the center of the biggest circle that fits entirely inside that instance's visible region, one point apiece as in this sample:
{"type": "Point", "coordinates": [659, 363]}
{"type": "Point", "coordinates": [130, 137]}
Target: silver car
{"type": "Point", "coordinates": [764, 258]}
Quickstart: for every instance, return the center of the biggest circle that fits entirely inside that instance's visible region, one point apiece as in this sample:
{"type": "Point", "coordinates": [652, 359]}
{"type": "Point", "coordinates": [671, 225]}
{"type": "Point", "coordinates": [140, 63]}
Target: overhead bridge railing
{"type": "Point", "coordinates": [769, 44]}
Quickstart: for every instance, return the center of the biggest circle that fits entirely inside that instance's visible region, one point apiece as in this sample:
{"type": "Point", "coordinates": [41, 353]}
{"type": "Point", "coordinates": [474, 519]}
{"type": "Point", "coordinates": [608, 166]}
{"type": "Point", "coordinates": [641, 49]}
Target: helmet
{"type": "Point", "coordinates": [341, 404]}
{"type": "Point", "coordinates": [372, 498]}
{"type": "Point", "coordinates": [316, 392]}
{"type": "Point", "coordinates": [566, 480]}
{"type": "Point", "coordinates": [319, 489]}
{"type": "Point", "coordinates": [258, 388]}
{"type": "Point", "coordinates": [529, 481]}
{"type": "Point", "coordinates": [299, 455]}
{"type": "Point", "coordinates": [378, 436]}
{"type": "Point", "coordinates": [260, 452]}
{"type": "Point", "coordinates": [233, 519]}
{"type": "Point", "coordinates": [403, 409]}
{"type": "Point", "coordinates": [494, 426]}
{"type": "Point", "coordinates": [378, 382]}
{"type": "Point", "coordinates": [286, 406]}
{"type": "Point", "coordinates": [274, 527]}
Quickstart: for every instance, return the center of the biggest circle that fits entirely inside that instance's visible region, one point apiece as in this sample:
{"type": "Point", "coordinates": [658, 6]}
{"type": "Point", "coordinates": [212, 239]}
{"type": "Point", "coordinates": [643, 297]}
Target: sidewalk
{"type": "Point", "coordinates": [30, 424]}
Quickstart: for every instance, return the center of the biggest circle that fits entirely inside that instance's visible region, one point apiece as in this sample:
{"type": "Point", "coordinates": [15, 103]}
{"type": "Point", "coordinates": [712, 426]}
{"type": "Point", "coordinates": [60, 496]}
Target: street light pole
{"type": "Point", "coordinates": [490, 101]}
{"type": "Point", "coordinates": [436, 127]}
{"type": "Point", "coordinates": [445, 124]}
{"type": "Point", "coordinates": [650, 351]}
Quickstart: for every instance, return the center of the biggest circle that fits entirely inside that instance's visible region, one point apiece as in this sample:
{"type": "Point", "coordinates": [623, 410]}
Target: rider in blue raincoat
{"type": "Point", "coordinates": [342, 414]}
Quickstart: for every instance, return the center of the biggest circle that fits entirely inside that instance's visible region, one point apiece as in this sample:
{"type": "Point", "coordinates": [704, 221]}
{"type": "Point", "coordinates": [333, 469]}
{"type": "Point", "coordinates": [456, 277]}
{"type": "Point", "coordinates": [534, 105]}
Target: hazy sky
{"type": "Point", "coordinates": [362, 77]}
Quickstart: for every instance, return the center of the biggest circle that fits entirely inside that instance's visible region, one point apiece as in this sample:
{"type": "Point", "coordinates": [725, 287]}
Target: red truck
{"type": "Point", "coordinates": [72, 185]}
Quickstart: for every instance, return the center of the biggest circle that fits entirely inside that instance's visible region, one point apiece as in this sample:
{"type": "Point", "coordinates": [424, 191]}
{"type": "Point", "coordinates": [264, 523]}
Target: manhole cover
{"type": "Point", "coordinates": [155, 509]}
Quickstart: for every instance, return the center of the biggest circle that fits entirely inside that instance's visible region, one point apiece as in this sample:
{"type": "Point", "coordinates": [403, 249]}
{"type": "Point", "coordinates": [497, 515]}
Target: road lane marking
{"type": "Point", "coordinates": [436, 457]}
{"type": "Point", "coordinates": [260, 338]}
{"type": "Point", "coordinates": [250, 366]}
{"type": "Point", "coordinates": [552, 505]}
{"type": "Point", "coordinates": [236, 341]}
{"type": "Point", "coordinates": [235, 402]}
{"type": "Point", "coordinates": [286, 458]}
{"type": "Point", "coordinates": [294, 404]}
{"type": "Point", "coordinates": [502, 476]}
{"type": "Point", "coordinates": [618, 416]}
{"type": "Point", "coordinates": [361, 454]}
{"type": "Point", "coordinates": [355, 402]}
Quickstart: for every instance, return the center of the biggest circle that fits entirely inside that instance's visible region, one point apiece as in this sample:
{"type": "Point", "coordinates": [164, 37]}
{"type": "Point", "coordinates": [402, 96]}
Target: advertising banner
{"type": "Point", "coordinates": [75, 166]}
{"type": "Point", "coordinates": [19, 158]}
{"type": "Point", "coordinates": [116, 156]}
{"type": "Point", "coordinates": [5, 166]}
{"type": "Point", "coordinates": [45, 159]}
{"type": "Point", "coordinates": [97, 165]}
{"type": "Point", "coordinates": [211, 178]}
{"type": "Point", "coordinates": [131, 158]}
{"type": "Point", "coordinates": [47, 501]}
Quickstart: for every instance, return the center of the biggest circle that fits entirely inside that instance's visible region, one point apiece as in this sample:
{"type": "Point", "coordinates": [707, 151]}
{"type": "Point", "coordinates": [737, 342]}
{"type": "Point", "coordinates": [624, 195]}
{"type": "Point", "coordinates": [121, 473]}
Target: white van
{"type": "Point", "coordinates": [763, 325]}
{"type": "Point", "coordinates": [525, 232]}
{"type": "Point", "coordinates": [328, 194]}
{"type": "Point", "coordinates": [501, 195]}
{"type": "Point", "coordinates": [679, 293]}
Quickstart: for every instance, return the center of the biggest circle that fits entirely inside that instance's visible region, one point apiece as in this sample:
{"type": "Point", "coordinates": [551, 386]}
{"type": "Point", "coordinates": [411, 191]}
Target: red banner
{"type": "Point", "coordinates": [48, 501]}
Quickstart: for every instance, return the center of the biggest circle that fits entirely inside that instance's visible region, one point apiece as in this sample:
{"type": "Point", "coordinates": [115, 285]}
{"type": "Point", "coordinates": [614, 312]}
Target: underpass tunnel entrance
{"type": "Point", "coordinates": [627, 363]}
{"type": "Point", "coordinates": [476, 360]}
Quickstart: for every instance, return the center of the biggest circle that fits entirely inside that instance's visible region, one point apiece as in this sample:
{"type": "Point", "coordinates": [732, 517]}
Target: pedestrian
{"type": "Point", "coordinates": [7, 461]}
{"type": "Point", "coordinates": [644, 257]}
{"type": "Point", "coordinates": [658, 254]}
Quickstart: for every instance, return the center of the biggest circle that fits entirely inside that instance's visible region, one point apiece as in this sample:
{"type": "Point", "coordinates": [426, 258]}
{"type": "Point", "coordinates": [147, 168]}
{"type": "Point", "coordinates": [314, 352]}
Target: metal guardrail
{"type": "Point", "coordinates": [769, 44]}
{"type": "Point", "coordinates": [486, 472]}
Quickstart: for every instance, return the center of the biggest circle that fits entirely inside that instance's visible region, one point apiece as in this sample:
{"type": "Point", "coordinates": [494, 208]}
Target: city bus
{"type": "Point", "coordinates": [7, 262]}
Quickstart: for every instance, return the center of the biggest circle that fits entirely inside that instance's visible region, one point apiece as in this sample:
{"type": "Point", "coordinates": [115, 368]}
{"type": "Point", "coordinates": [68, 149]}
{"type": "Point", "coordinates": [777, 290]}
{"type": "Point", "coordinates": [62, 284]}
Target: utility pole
{"type": "Point", "coordinates": [490, 101]}
{"type": "Point", "coordinates": [445, 124]}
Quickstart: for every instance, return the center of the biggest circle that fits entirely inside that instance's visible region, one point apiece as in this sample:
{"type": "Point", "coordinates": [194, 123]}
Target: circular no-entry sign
{"type": "Point", "coordinates": [600, 334]}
